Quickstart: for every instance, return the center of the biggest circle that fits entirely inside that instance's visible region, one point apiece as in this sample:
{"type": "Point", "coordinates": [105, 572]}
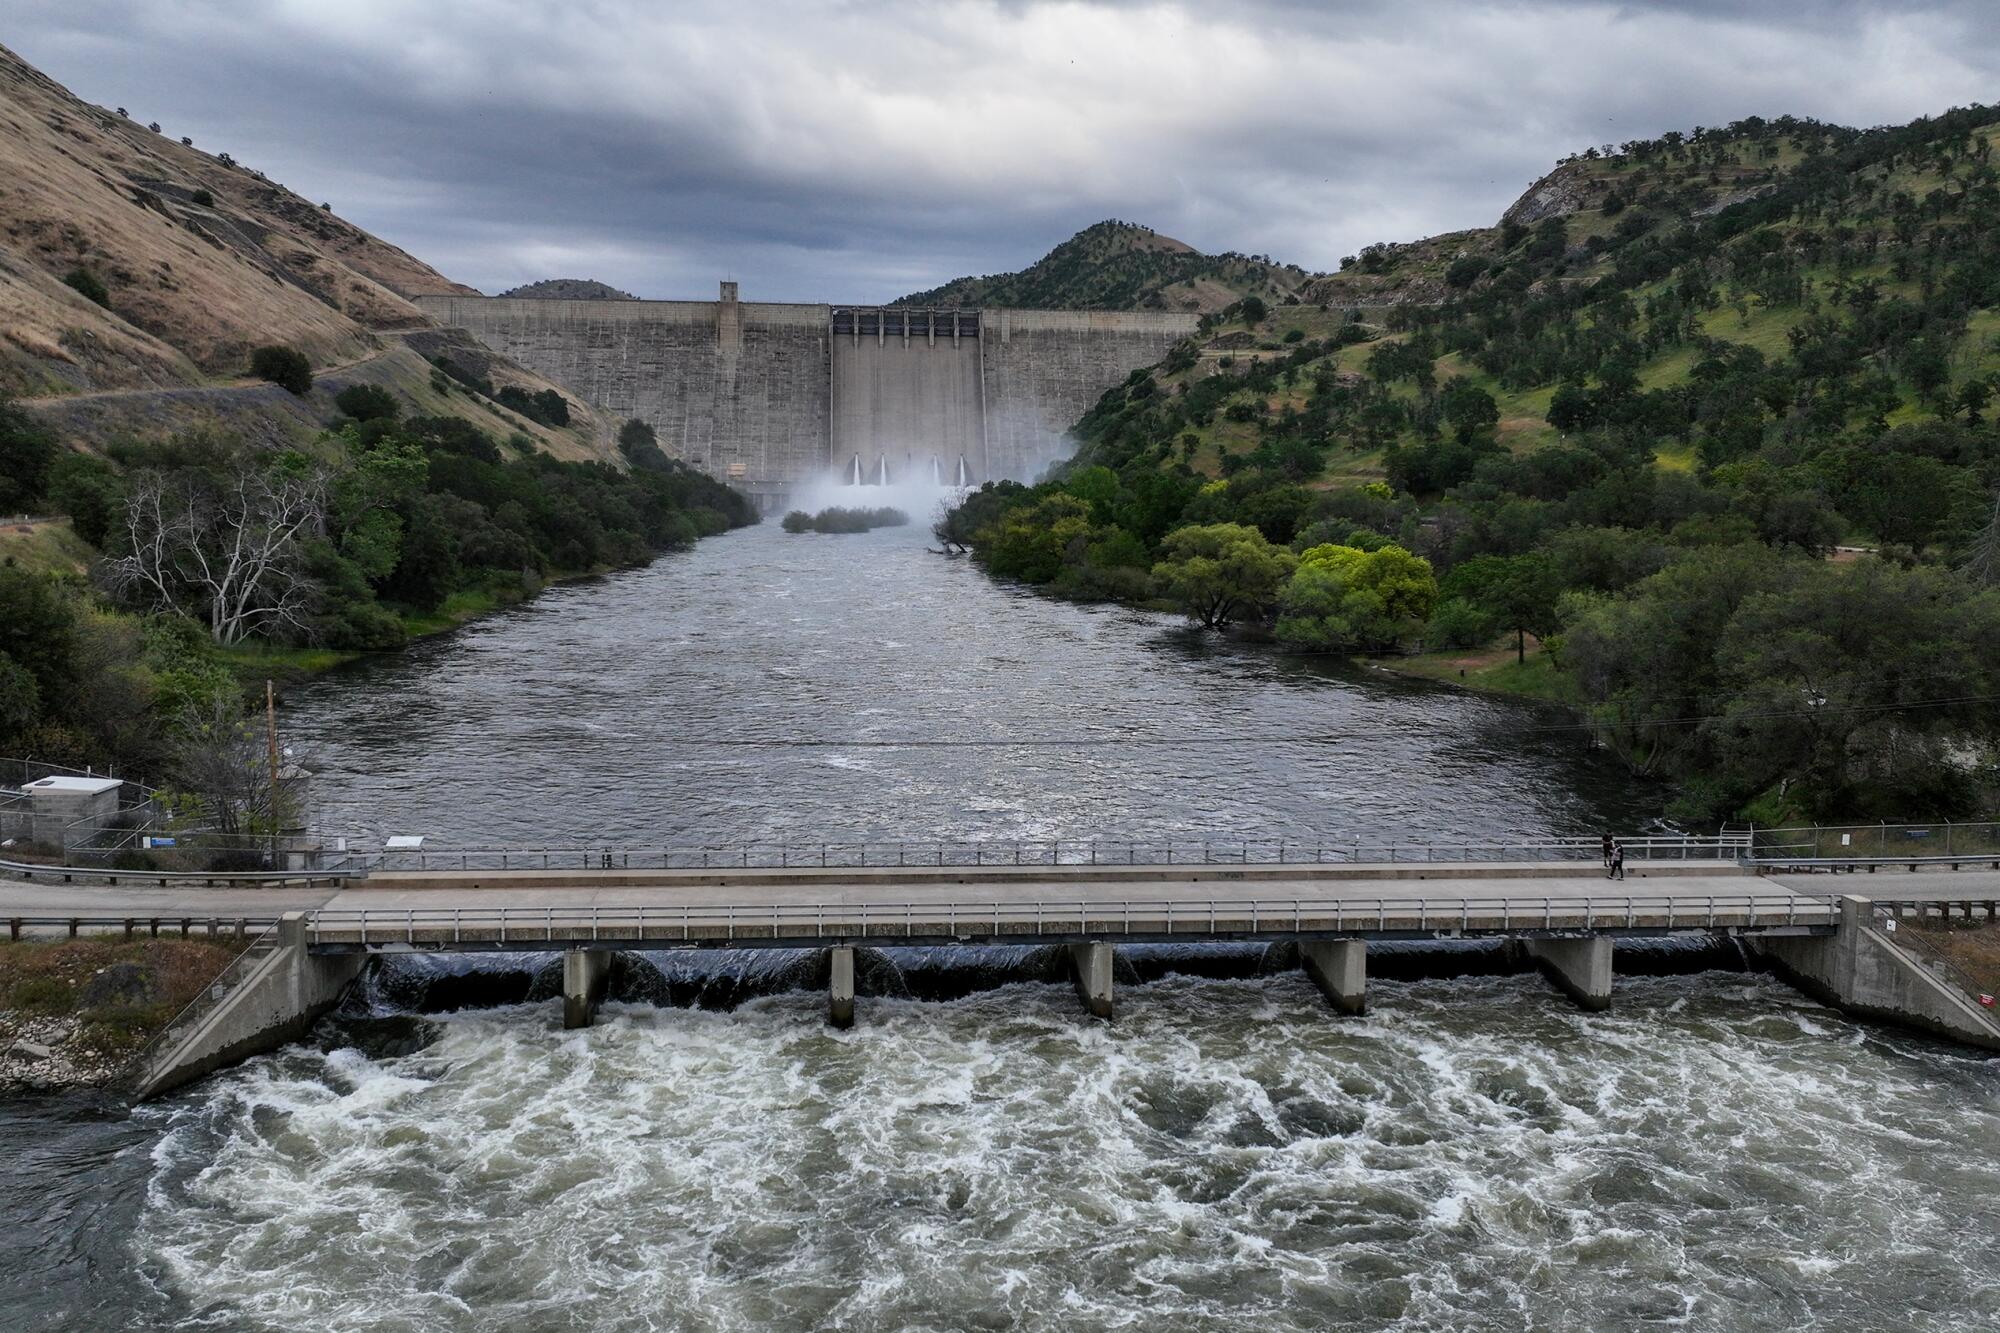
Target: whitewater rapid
{"type": "Point", "coordinates": [1715, 1153]}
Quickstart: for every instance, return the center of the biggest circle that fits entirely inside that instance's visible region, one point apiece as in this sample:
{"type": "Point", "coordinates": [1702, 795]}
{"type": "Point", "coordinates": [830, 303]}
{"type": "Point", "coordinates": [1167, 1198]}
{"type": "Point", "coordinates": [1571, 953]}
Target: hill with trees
{"type": "Point", "coordinates": [568, 289]}
{"type": "Point", "coordinates": [232, 448]}
{"type": "Point", "coordinates": [1121, 266]}
{"type": "Point", "coordinates": [1706, 419]}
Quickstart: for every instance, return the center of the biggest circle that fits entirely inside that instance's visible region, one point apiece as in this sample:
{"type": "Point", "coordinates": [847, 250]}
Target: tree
{"type": "Point", "coordinates": [1219, 571]}
{"type": "Point", "coordinates": [1519, 591]}
{"type": "Point", "coordinates": [1034, 542]}
{"type": "Point", "coordinates": [223, 545]}
{"type": "Point", "coordinates": [1343, 597]}
{"type": "Point", "coordinates": [26, 452]}
{"type": "Point", "coordinates": [368, 402]}
{"type": "Point", "coordinates": [90, 491]}
{"type": "Point", "coordinates": [1469, 408]}
{"type": "Point", "coordinates": [285, 367]}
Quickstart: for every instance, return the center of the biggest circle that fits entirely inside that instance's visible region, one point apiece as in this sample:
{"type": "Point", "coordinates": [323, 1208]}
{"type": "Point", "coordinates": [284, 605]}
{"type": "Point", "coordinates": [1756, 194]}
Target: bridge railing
{"type": "Point", "coordinates": [722, 922]}
{"type": "Point", "coordinates": [1159, 852]}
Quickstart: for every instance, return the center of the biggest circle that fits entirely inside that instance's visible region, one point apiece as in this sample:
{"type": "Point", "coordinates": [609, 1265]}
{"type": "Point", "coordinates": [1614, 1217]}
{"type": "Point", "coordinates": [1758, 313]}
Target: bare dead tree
{"type": "Point", "coordinates": [222, 547]}
{"type": "Point", "coordinates": [1982, 562]}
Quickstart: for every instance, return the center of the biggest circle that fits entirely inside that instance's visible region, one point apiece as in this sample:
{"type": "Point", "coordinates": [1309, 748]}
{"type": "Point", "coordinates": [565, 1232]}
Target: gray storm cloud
{"type": "Point", "coordinates": [857, 151]}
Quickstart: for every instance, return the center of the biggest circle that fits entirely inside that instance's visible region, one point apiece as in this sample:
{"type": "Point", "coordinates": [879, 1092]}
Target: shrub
{"type": "Point", "coordinates": [1294, 335]}
{"type": "Point", "coordinates": [203, 198]}
{"type": "Point", "coordinates": [285, 367]}
{"type": "Point", "coordinates": [368, 402]}
{"type": "Point", "coordinates": [87, 285]}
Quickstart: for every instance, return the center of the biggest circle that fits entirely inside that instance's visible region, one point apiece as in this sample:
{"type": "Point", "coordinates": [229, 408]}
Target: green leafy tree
{"type": "Point", "coordinates": [1469, 408]}
{"type": "Point", "coordinates": [368, 402]}
{"type": "Point", "coordinates": [1343, 598]}
{"type": "Point", "coordinates": [285, 367]}
{"type": "Point", "coordinates": [1518, 591]}
{"type": "Point", "coordinates": [27, 450]}
{"type": "Point", "coordinates": [1221, 571]}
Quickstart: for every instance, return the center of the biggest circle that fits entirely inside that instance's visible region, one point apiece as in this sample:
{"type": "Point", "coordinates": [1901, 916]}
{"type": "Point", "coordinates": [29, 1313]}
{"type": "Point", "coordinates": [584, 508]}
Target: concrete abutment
{"type": "Point", "coordinates": [1861, 971]}
{"type": "Point", "coordinates": [277, 1001]}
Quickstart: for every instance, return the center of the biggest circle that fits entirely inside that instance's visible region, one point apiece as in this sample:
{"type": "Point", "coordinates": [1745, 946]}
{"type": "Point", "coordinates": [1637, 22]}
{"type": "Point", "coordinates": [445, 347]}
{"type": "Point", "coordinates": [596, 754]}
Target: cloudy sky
{"type": "Point", "coordinates": [857, 150]}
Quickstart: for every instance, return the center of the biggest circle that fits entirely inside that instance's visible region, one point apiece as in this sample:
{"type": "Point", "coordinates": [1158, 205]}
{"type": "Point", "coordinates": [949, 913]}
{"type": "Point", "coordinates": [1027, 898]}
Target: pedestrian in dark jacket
{"type": "Point", "coordinates": [1607, 851]}
{"type": "Point", "coordinates": [1617, 861]}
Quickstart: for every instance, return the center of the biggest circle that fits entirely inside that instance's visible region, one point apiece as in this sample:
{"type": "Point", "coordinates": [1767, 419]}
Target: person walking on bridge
{"type": "Point", "coordinates": [1616, 861]}
{"type": "Point", "coordinates": [1607, 851]}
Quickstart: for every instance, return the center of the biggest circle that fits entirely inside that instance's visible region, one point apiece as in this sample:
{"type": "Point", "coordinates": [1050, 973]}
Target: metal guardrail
{"type": "Point", "coordinates": [40, 872]}
{"type": "Point", "coordinates": [1108, 852]}
{"type": "Point", "coordinates": [131, 926]}
{"type": "Point", "coordinates": [1872, 863]}
{"type": "Point", "coordinates": [722, 922]}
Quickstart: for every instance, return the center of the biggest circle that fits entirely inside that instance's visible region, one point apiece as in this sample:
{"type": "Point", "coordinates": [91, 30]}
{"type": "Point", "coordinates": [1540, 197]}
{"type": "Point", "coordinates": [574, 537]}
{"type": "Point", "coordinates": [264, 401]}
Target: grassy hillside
{"type": "Point", "coordinates": [1645, 419]}
{"type": "Point", "coordinates": [137, 273]}
{"type": "Point", "coordinates": [1119, 266]}
{"type": "Point", "coordinates": [1636, 277]}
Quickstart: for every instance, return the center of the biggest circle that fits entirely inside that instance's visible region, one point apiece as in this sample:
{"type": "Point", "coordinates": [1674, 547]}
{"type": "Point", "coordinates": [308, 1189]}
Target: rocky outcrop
{"type": "Point", "coordinates": [1563, 191]}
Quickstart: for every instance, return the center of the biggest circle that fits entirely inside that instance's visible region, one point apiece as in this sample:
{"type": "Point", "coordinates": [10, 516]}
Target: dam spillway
{"type": "Point", "coordinates": [771, 396]}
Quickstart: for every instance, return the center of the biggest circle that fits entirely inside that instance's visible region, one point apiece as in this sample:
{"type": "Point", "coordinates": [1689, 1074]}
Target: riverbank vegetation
{"type": "Point", "coordinates": [1708, 420]}
{"type": "Point", "coordinates": [73, 1012]}
{"type": "Point", "coordinates": [212, 559]}
{"type": "Point", "coordinates": [837, 519]}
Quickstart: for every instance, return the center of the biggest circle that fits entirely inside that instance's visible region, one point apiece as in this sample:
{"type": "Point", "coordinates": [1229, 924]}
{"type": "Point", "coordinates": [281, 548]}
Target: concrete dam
{"type": "Point", "coordinates": [769, 397]}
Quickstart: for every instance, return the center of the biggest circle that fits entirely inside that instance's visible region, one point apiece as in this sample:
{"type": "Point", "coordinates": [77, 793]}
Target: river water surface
{"type": "Point", "coordinates": [1717, 1153]}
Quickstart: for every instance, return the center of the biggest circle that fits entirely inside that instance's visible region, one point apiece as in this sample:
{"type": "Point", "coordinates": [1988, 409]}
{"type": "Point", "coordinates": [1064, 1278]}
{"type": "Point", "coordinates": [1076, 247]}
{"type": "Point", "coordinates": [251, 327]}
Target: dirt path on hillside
{"type": "Point", "coordinates": [238, 382]}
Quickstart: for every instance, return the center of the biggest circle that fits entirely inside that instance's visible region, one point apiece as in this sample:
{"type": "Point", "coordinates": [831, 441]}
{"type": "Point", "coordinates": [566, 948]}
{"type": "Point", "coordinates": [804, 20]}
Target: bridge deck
{"type": "Point", "coordinates": [804, 909]}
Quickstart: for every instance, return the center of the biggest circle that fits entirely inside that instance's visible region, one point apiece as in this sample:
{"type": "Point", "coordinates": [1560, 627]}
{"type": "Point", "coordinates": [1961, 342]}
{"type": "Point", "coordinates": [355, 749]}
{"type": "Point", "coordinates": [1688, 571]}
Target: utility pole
{"type": "Point", "coordinates": [271, 726]}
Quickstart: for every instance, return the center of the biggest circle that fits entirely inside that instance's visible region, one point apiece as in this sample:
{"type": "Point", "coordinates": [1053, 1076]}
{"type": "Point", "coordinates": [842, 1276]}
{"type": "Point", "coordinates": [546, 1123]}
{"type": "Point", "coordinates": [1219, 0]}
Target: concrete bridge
{"type": "Point", "coordinates": [311, 938]}
{"type": "Point", "coordinates": [766, 396]}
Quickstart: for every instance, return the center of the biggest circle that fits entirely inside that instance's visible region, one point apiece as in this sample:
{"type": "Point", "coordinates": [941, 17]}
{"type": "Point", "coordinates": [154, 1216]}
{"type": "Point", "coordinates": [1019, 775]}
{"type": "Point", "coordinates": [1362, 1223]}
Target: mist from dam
{"type": "Point", "coordinates": [1716, 1153]}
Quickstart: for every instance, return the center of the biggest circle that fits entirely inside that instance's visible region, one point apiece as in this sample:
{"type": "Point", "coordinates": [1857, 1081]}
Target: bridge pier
{"type": "Point", "coordinates": [1340, 969]}
{"type": "Point", "coordinates": [1579, 968]}
{"type": "Point", "coordinates": [585, 973]}
{"type": "Point", "coordinates": [840, 986]}
{"type": "Point", "coordinates": [1091, 965]}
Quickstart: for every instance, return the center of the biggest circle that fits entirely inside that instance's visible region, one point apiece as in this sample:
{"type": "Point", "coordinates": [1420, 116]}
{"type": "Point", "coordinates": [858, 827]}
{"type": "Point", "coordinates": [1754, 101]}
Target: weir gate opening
{"type": "Point", "coordinates": [771, 397]}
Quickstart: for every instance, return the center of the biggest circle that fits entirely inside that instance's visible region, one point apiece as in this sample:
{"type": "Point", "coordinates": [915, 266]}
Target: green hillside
{"type": "Point", "coordinates": [1639, 416]}
{"type": "Point", "coordinates": [1119, 266]}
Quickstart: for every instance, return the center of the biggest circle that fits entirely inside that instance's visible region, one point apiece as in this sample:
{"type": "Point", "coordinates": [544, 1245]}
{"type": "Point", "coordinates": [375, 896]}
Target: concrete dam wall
{"type": "Point", "coordinates": [768, 397]}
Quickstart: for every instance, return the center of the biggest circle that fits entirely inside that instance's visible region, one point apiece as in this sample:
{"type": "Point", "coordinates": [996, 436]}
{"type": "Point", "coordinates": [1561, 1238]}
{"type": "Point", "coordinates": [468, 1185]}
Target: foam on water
{"type": "Point", "coordinates": [1715, 1153]}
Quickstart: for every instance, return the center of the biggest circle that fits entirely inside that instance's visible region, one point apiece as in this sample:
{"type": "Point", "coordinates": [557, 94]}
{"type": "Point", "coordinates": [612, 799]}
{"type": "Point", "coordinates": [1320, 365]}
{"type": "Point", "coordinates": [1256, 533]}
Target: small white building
{"type": "Point", "coordinates": [61, 801]}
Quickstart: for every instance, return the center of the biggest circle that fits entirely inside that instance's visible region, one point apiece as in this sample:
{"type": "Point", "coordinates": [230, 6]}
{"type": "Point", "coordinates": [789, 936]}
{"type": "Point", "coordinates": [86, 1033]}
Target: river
{"type": "Point", "coordinates": [1715, 1153]}
{"type": "Point", "coordinates": [809, 688]}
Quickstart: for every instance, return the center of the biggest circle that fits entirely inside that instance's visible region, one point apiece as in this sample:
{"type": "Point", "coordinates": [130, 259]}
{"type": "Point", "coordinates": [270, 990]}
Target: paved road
{"type": "Point", "coordinates": [575, 892]}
